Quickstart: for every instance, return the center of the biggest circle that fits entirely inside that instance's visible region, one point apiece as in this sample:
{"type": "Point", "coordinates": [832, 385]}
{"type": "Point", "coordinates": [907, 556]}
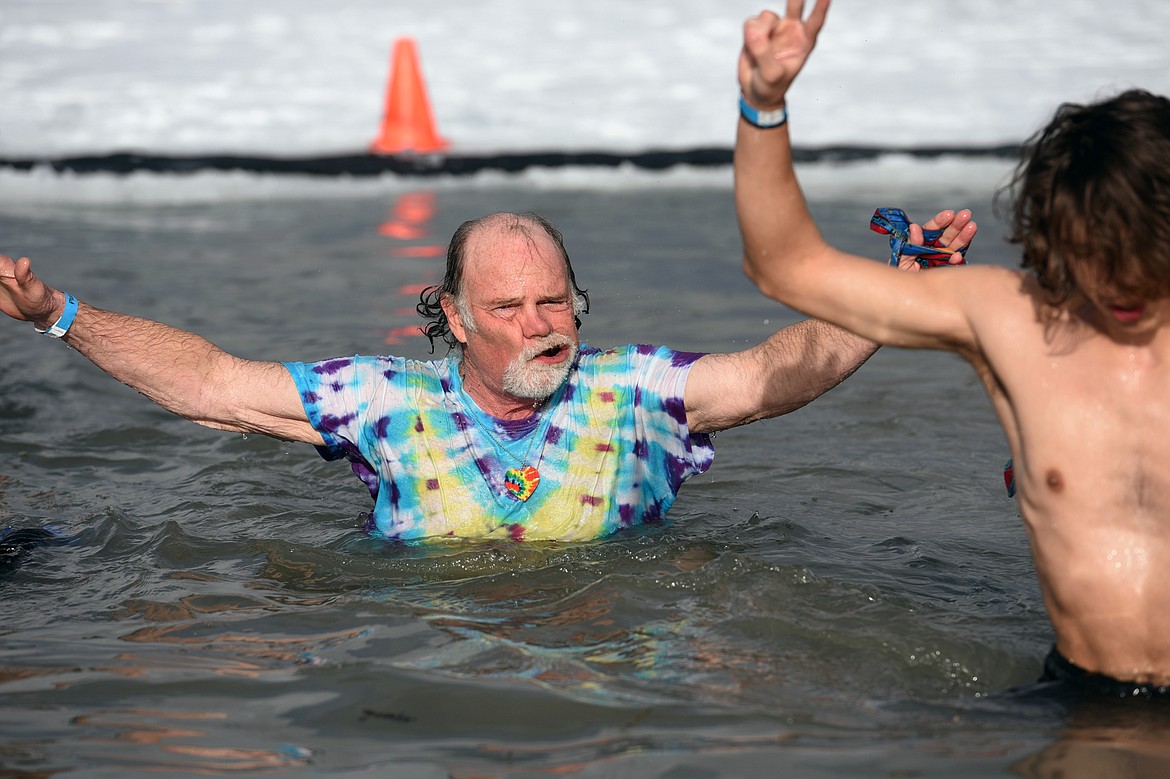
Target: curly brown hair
{"type": "Point", "coordinates": [1092, 191]}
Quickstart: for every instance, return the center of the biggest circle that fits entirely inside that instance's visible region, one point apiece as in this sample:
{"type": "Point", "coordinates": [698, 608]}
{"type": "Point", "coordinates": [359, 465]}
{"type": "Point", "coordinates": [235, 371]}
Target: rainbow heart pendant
{"type": "Point", "coordinates": [521, 482]}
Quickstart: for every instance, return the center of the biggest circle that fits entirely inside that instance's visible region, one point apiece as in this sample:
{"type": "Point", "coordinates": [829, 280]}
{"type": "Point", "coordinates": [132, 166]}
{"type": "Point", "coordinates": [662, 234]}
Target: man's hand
{"type": "Point", "coordinates": [774, 51]}
{"type": "Point", "coordinates": [958, 230]}
{"type": "Point", "coordinates": [25, 297]}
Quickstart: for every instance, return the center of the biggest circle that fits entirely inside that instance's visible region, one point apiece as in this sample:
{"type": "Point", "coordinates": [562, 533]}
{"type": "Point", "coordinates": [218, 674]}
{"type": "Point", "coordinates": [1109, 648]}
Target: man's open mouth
{"type": "Point", "coordinates": [552, 352]}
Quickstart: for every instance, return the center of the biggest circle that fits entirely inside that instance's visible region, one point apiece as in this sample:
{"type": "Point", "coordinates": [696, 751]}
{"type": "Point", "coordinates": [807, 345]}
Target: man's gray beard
{"type": "Point", "coordinates": [526, 379]}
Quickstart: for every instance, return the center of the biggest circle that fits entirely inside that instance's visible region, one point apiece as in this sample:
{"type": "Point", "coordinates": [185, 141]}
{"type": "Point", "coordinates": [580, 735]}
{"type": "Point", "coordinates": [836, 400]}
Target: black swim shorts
{"type": "Point", "coordinates": [1058, 668]}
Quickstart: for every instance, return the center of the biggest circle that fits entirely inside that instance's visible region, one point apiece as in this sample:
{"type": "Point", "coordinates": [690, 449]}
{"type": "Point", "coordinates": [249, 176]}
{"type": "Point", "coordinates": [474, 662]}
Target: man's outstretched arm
{"type": "Point", "coordinates": [180, 371]}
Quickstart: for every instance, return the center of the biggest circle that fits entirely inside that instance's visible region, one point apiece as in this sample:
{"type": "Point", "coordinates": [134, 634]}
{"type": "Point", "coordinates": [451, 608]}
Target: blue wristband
{"type": "Point", "coordinates": [762, 119]}
{"type": "Point", "coordinates": [61, 326]}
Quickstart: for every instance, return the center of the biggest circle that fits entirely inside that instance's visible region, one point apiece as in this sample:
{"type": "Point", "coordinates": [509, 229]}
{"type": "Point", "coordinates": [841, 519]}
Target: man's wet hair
{"type": "Point", "coordinates": [430, 305]}
{"type": "Point", "coordinates": [1092, 193]}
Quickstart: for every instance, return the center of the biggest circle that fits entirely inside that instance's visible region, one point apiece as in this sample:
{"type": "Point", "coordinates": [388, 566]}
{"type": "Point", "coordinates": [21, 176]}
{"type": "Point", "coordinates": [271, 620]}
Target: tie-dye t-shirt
{"type": "Point", "coordinates": [611, 446]}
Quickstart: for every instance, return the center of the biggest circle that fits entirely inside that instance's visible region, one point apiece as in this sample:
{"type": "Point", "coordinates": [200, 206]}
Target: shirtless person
{"type": "Point", "coordinates": [1074, 350]}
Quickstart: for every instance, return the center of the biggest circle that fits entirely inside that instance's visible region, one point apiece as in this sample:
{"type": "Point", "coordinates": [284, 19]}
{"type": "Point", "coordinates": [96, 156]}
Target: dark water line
{"type": "Point", "coordinates": [465, 164]}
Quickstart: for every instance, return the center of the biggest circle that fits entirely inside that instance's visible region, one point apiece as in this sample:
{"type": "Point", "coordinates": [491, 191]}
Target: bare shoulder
{"type": "Point", "coordinates": [992, 278]}
{"type": "Point", "coordinates": [994, 288]}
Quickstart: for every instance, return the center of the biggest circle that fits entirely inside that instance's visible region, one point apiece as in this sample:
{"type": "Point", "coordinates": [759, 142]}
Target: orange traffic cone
{"type": "Point", "coordinates": [407, 124]}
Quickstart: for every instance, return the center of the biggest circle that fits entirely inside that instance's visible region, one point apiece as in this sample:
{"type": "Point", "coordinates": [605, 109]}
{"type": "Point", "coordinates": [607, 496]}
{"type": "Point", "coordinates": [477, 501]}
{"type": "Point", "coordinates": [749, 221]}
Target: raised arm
{"type": "Point", "coordinates": [784, 252]}
{"type": "Point", "coordinates": [799, 363]}
{"type": "Point", "coordinates": [180, 371]}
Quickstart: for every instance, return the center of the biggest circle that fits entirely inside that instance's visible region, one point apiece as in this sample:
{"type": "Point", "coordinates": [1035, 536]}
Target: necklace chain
{"type": "Point", "coordinates": [519, 483]}
{"type": "Point", "coordinates": [501, 447]}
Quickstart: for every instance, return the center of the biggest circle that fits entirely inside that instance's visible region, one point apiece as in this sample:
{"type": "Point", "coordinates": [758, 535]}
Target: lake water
{"type": "Point", "coordinates": [847, 593]}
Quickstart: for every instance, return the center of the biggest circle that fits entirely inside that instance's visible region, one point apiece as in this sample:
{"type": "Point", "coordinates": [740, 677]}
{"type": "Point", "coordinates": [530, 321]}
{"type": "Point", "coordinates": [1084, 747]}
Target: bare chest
{"type": "Point", "coordinates": [1093, 432]}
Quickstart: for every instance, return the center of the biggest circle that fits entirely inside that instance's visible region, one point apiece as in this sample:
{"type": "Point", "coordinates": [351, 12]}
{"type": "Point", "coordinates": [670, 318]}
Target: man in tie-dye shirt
{"type": "Point", "coordinates": [520, 432]}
